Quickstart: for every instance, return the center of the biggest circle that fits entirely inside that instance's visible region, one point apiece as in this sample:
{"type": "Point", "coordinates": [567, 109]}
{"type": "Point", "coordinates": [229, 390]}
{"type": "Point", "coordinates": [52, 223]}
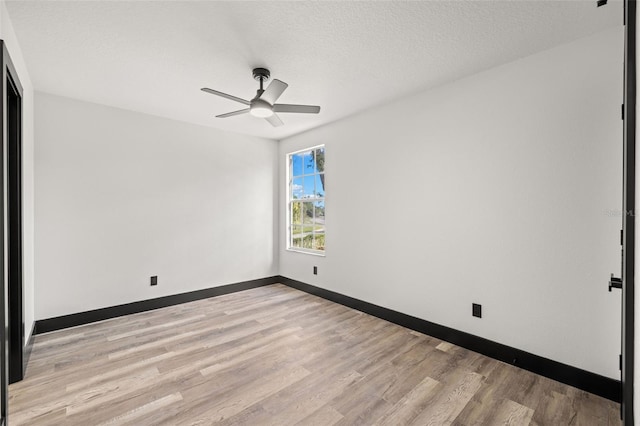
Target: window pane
{"type": "Point", "coordinates": [296, 236]}
{"type": "Point", "coordinates": [318, 242]}
{"type": "Point", "coordinates": [296, 213]}
{"type": "Point", "coordinates": [319, 160]}
{"type": "Point", "coordinates": [297, 189]}
{"type": "Point", "coordinates": [320, 185]}
{"type": "Point", "coordinates": [319, 215]}
{"type": "Point", "coordinates": [307, 216]}
{"type": "Point", "coordinates": [307, 241]}
{"type": "Point", "coordinates": [309, 163]}
{"type": "Point", "coordinates": [297, 160]}
{"type": "Point", "coordinates": [309, 187]}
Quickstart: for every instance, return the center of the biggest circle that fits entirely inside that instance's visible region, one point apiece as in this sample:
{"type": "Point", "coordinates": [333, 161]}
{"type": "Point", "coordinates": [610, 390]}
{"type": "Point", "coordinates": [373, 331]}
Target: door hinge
{"type": "Point", "coordinates": [621, 237]}
{"type": "Point", "coordinates": [620, 361]}
{"type": "Point", "coordinates": [622, 109]}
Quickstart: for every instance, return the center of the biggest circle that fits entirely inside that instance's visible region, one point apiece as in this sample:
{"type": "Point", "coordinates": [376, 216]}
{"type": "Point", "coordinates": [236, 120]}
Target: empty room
{"type": "Point", "coordinates": [318, 213]}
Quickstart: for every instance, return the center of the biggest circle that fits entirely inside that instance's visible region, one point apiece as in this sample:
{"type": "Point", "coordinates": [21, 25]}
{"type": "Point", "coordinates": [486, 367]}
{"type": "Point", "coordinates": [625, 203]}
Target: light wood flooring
{"type": "Point", "coordinates": [277, 356]}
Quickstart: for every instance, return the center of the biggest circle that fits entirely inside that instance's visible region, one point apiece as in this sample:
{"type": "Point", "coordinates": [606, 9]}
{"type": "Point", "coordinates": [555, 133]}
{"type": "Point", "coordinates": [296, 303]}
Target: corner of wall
{"type": "Point", "coordinates": [277, 208]}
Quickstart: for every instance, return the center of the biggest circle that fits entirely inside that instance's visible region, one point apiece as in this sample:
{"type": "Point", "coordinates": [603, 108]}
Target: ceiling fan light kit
{"type": "Point", "coordinates": [260, 108]}
{"type": "Point", "coordinates": [263, 104]}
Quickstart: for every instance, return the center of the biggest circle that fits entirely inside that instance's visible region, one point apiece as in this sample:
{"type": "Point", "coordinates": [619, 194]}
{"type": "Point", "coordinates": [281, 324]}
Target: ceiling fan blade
{"type": "Point", "coordinates": [274, 120]}
{"type": "Point", "coordinates": [273, 91]}
{"type": "Point", "coordinates": [306, 109]}
{"type": "Point", "coordinates": [231, 114]}
{"type": "Point", "coordinates": [224, 95]}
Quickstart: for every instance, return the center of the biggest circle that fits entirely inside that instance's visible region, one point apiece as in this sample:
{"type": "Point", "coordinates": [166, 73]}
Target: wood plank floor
{"type": "Point", "coordinates": [277, 356]}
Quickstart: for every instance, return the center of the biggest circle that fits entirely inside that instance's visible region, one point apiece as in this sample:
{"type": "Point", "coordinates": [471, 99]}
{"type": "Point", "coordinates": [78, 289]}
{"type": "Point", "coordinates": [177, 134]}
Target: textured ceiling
{"type": "Point", "coordinates": [154, 56]}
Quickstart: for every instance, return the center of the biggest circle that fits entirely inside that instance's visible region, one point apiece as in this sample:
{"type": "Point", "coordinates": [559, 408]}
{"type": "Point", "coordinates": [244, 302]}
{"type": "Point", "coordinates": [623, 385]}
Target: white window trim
{"type": "Point", "coordinates": [288, 225]}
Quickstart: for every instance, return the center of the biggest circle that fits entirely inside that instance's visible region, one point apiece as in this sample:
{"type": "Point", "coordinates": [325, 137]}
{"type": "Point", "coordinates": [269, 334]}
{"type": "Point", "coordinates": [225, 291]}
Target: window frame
{"type": "Point", "coordinates": [290, 200]}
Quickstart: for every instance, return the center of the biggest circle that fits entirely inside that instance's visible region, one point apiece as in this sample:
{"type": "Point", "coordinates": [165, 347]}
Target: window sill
{"type": "Point", "coordinates": [313, 253]}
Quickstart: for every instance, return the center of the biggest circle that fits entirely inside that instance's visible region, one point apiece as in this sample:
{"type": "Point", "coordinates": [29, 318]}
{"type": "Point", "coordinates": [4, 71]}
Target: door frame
{"type": "Point", "coordinates": [8, 74]}
{"type": "Point", "coordinates": [628, 226]}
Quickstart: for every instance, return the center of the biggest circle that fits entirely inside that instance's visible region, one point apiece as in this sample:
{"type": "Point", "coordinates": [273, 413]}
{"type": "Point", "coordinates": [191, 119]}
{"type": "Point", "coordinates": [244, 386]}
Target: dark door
{"type": "Point", "coordinates": [3, 293]}
{"type": "Point", "coordinates": [628, 221]}
{"type": "Point", "coordinates": [13, 119]}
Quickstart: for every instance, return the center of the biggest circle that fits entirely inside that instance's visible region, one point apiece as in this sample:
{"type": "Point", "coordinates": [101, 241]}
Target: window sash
{"type": "Point", "coordinates": [292, 244]}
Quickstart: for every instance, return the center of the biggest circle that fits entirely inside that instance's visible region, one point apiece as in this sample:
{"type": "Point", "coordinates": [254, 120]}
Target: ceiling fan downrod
{"type": "Point", "coordinates": [262, 75]}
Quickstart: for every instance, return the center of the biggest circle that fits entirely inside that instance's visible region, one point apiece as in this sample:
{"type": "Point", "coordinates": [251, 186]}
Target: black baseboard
{"type": "Point", "coordinates": [576, 377]}
{"type": "Point", "coordinates": [26, 354]}
{"type": "Point", "coordinates": [81, 318]}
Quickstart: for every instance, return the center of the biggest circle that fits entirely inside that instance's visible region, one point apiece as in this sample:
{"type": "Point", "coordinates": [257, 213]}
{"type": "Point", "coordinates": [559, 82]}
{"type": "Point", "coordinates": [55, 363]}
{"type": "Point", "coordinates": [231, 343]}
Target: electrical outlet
{"type": "Point", "coordinates": [476, 310]}
{"type": "Point", "coordinates": [315, 270]}
{"type": "Point", "coordinates": [154, 280]}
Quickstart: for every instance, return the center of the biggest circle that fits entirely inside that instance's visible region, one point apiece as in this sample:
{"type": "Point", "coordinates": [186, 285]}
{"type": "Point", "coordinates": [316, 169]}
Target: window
{"type": "Point", "coordinates": [305, 221]}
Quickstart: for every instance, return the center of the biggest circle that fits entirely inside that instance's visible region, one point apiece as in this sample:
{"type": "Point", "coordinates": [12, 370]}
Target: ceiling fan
{"type": "Point", "coordinates": [263, 104]}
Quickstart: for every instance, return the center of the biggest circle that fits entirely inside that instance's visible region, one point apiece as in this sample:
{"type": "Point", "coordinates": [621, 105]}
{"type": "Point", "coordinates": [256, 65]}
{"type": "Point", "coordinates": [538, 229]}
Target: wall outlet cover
{"type": "Point", "coordinates": [476, 310]}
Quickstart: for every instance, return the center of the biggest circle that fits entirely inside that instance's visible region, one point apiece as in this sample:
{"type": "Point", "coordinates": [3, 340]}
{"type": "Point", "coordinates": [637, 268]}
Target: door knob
{"type": "Point", "coordinates": [615, 282]}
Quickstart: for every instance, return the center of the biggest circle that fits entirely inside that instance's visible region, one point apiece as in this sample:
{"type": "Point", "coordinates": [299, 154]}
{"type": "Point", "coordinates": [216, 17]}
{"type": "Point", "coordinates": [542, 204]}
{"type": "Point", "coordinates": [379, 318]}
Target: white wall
{"type": "Point", "coordinates": [122, 196]}
{"type": "Point", "coordinates": [7, 34]}
{"type": "Point", "coordinates": [495, 189]}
